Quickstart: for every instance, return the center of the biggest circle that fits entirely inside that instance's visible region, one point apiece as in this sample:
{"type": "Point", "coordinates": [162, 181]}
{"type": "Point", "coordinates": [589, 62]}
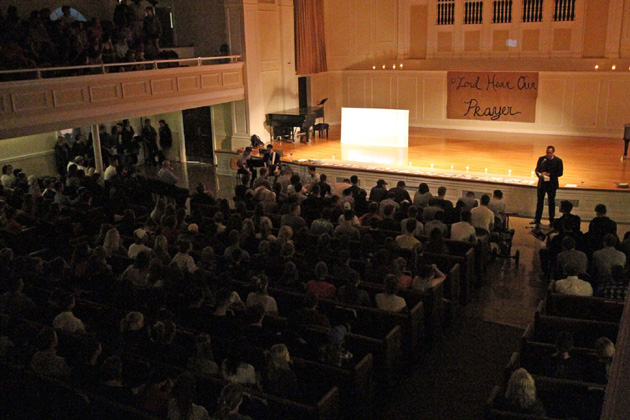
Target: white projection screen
{"type": "Point", "coordinates": [375, 127]}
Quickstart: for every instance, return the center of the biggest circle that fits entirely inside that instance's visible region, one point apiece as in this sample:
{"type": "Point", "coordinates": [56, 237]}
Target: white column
{"type": "Point", "coordinates": [253, 83]}
{"type": "Point", "coordinates": [613, 35]}
{"type": "Point", "coordinates": [182, 141]}
{"type": "Point", "coordinates": [96, 144]}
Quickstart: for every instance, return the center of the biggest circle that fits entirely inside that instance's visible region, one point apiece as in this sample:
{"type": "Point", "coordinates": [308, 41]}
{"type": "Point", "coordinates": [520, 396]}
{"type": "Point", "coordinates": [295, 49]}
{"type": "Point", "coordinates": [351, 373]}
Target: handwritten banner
{"type": "Point", "coordinates": [492, 96]}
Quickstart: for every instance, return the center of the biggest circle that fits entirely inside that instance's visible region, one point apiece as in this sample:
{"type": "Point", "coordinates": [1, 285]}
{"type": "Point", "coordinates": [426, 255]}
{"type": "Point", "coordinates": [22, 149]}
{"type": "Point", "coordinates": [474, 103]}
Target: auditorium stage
{"type": "Point", "coordinates": [596, 161]}
{"type": "Point", "coordinates": [589, 162]}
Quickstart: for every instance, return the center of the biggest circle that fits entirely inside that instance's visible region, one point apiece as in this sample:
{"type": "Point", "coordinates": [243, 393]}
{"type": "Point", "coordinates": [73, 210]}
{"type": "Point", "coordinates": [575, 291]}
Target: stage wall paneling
{"type": "Point", "coordinates": [568, 103]}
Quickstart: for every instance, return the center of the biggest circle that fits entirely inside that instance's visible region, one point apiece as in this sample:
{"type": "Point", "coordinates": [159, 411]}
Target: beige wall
{"type": "Point", "coordinates": [360, 31]}
{"type": "Point", "coordinates": [576, 103]}
{"type": "Point", "coordinates": [33, 154]}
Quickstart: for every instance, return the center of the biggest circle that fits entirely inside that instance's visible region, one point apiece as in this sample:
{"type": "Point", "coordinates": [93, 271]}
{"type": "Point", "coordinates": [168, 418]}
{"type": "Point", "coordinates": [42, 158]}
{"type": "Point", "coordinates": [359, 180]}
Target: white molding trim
{"type": "Point", "coordinates": [28, 156]}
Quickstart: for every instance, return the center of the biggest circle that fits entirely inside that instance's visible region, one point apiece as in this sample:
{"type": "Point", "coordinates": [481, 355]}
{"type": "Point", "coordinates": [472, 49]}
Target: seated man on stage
{"type": "Point", "coordinates": [271, 160]}
{"type": "Point", "coordinates": [244, 167]}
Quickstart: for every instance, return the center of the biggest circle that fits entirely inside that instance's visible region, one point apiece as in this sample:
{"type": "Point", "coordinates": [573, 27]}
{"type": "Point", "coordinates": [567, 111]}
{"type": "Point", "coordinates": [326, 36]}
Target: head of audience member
{"type": "Point", "coordinates": [312, 170]}
{"type": "Point", "coordinates": [354, 180]}
{"type": "Point", "coordinates": [410, 226]}
{"type": "Point", "coordinates": [600, 210]}
{"type": "Point", "coordinates": [564, 344]}
{"type": "Point", "coordinates": [46, 339]}
{"type": "Point", "coordinates": [323, 178]}
{"type": "Point", "coordinates": [605, 349]}
{"type": "Point", "coordinates": [321, 271]}
{"type": "Point", "coordinates": [391, 284]}
{"type": "Point", "coordinates": [423, 188]}
{"type": "Point", "coordinates": [497, 194]}
{"type": "Point", "coordinates": [485, 200]}
{"type": "Point", "coordinates": [388, 211]}
{"type": "Point", "coordinates": [465, 216]}
{"type": "Point", "coordinates": [278, 360]}
{"type": "Point", "coordinates": [315, 191]}
{"type": "Point", "coordinates": [568, 243]}
{"type": "Point", "coordinates": [133, 321]}
{"type": "Point", "coordinates": [610, 240]}
{"type": "Point", "coordinates": [337, 335]}
{"type": "Point", "coordinates": [285, 234]}
{"type": "Point", "coordinates": [229, 401]}
{"type": "Point", "coordinates": [566, 206]}
{"type": "Point", "coordinates": [401, 185]}
{"type": "Point", "coordinates": [348, 217]}
{"type": "Point", "coordinates": [521, 389]}
{"type": "Point", "coordinates": [441, 192]}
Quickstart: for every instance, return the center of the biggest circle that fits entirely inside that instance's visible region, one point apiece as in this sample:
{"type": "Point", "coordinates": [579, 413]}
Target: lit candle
{"type": "Point", "coordinates": [431, 166]}
{"type": "Point", "coordinates": [383, 66]}
{"type": "Point", "coordinates": [486, 170]}
{"type": "Point", "coordinates": [532, 174]}
{"type": "Point", "coordinates": [401, 66]}
{"type": "Point", "coordinates": [451, 167]}
{"type": "Point", "coordinates": [596, 66]}
{"type": "Point", "coordinates": [373, 67]}
{"type": "Point", "coordinates": [466, 168]}
{"type": "Point", "coordinates": [409, 163]}
{"type": "Point", "coordinates": [333, 157]}
{"type": "Point", "coordinates": [394, 66]}
{"type": "Point", "coordinates": [510, 172]}
{"type": "Point", "coordinates": [614, 67]}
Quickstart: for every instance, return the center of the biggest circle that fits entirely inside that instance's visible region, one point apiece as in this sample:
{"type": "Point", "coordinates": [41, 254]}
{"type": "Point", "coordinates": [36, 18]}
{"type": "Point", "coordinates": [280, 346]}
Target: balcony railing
{"type": "Point", "coordinates": [92, 69]}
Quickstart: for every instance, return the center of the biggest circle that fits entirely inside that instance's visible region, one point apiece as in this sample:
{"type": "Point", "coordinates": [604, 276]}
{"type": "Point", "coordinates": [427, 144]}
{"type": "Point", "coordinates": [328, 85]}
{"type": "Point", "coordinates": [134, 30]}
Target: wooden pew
{"type": "Point", "coordinates": [585, 332]}
{"type": "Point", "coordinates": [466, 274]}
{"type": "Point", "coordinates": [562, 398]}
{"type": "Point", "coordinates": [582, 307]}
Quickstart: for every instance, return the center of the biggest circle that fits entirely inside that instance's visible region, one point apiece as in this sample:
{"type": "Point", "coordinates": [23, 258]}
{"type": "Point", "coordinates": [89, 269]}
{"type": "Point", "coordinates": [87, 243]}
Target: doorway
{"type": "Point", "coordinates": [198, 134]}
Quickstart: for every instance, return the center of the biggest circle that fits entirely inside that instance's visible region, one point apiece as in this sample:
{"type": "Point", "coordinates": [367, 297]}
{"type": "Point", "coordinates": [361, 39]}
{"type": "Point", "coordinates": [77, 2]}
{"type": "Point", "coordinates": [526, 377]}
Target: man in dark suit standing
{"type": "Point", "coordinates": [548, 169]}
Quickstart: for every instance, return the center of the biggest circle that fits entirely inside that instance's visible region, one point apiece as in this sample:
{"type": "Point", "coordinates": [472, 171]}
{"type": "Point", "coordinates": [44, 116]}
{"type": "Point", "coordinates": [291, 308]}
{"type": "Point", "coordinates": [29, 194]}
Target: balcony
{"type": "Point", "coordinates": [48, 102]}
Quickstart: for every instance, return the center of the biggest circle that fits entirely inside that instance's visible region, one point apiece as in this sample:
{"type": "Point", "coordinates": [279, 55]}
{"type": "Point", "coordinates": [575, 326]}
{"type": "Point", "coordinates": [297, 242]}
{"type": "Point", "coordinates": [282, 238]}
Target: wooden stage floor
{"type": "Point", "coordinates": [589, 162]}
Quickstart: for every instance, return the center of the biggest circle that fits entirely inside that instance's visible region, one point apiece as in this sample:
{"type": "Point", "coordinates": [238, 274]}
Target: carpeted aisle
{"type": "Point", "coordinates": [455, 378]}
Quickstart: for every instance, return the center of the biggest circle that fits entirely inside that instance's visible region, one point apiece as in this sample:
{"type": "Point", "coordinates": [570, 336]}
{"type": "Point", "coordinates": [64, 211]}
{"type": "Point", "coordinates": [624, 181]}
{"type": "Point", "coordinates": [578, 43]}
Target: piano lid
{"type": "Point", "coordinates": [297, 111]}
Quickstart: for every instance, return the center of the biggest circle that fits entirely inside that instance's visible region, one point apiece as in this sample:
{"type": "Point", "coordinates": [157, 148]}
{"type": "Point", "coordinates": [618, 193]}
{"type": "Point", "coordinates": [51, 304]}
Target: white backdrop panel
{"type": "Point", "coordinates": [375, 127]}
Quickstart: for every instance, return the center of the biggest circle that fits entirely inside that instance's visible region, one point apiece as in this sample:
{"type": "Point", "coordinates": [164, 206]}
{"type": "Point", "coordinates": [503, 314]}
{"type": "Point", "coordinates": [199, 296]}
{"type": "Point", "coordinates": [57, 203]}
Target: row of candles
{"type": "Point", "coordinates": [467, 168]}
{"type": "Point", "coordinates": [400, 66]}
{"type": "Point", "coordinates": [612, 68]}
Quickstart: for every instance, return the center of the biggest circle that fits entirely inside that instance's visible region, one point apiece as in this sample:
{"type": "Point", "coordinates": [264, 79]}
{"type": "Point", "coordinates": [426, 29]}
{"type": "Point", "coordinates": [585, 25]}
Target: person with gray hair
{"type": "Point", "coordinates": [520, 394]}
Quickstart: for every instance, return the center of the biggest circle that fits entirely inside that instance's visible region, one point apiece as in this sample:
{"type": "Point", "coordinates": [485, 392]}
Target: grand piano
{"type": "Point", "coordinates": [284, 123]}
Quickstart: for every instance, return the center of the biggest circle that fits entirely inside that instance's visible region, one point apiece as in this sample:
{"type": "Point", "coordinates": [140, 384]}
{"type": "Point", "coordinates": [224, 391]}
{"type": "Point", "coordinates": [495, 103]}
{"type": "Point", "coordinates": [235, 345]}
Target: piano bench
{"type": "Point", "coordinates": [320, 128]}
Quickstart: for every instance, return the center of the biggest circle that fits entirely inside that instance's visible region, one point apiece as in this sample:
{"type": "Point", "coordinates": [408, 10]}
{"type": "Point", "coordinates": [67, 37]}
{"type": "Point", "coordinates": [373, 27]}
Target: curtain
{"type": "Point", "coordinates": [310, 44]}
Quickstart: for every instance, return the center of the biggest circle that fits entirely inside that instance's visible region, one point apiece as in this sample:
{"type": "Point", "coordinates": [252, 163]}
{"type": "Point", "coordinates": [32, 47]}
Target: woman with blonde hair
{"type": "Point", "coordinates": [280, 379]}
{"type": "Point", "coordinates": [520, 395]}
{"type": "Point", "coordinates": [229, 403]}
{"type": "Point", "coordinates": [285, 234]}
{"type": "Point", "coordinates": [112, 244]}
{"type": "Point", "coordinates": [266, 227]}
{"type": "Point", "coordinates": [160, 248]}
{"type": "Point", "coordinates": [599, 371]}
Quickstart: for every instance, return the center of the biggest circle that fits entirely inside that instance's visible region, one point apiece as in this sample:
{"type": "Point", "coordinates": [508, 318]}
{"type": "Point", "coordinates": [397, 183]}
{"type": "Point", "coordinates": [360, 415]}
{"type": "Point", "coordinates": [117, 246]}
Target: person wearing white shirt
{"type": "Point", "coordinates": [573, 285]}
{"type": "Point", "coordinates": [481, 216]}
{"type": "Point", "coordinates": [390, 301]}
{"type": "Point", "coordinates": [184, 261]}
{"type": "Point", "coordinates": [112, 170]}
{"type": "Point", "coordinates": [66, 321]}
{"type": "Point", "coordinates": [463, 230]}
{"type": "Point", "coordinates": [7, 176]}
{"type": "Point", "coordinates": [166, 173]}
{"type": "Point", "coordinates": [140, 236]}
{"type": "Point", "coordinates": [407, 240]}
{"type": "Point", "coordinates": [497, 205]}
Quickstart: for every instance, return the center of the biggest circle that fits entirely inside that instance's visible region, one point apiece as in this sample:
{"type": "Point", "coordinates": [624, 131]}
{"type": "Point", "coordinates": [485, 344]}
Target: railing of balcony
{"type": "Point", "coordinates": [52, 72]}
